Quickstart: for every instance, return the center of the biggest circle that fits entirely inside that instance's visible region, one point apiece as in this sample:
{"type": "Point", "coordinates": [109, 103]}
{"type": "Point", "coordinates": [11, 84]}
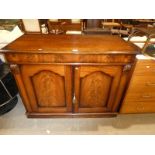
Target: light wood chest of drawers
{"type": "Point", "coordinates": [140, 96]}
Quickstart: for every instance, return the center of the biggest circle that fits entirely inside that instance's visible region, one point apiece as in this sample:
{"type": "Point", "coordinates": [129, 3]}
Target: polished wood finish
{"type": "Point", "coordinates": [145, 66]}
{"type": "Point", "coordinates": [69, 75]}
{"type": "Point", "coordinates": [71, 44]}
{"type": "Point", "coordinates": [48, 86]}
{"type": "Point", "coordinates": [140, 97]}
{"type": "Point", "coordinates": [95, 87]}
{"type": "Point", "coordinates": [16, 72]}
{"type": "Point", "coordinates": [34, 58]}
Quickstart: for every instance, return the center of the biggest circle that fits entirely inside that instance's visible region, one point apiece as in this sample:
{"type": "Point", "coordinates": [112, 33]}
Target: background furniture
{"type": "Point", "coordinates": [55, 26]}
{"type": "Point", "coordinates": [93, 23]}
{"type": "Point", "coordinates": [149, 33]}
{"type": "Point", "coordinates": [94, 26]}
{"type": "Point", "coordinates": [61, 26]}
{"type": "Point", "coordinates": [31, 26]}
{"type": "Point", "coordinates": [9, 31]}
{"type": "Point", "coordinates": [8, 89]}
{"type": "Point", "coordinates": [10, 24]}
{"type": "Point", "coordinates": [71, 75]}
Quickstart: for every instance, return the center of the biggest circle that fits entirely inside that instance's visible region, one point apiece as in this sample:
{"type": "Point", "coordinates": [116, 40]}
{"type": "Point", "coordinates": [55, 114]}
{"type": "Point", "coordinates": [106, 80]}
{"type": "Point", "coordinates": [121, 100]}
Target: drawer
{"type": "Point", "coordinates": [33, 58]}
{"type": "Point", "coordinates": [141, 83]}
{"type": "Point", "coordinates": [138, 107]}
{"type": "Point", "coordinates": [141, 96]}
{"type": "Point", "coordinates": [145, 67]}
{"type": "Point", "coordinates": [141, 88]}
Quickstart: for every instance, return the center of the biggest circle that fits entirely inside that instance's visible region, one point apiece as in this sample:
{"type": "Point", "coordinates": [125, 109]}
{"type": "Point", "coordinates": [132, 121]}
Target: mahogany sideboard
{"type": "Point", "coordinates": [71, 75]}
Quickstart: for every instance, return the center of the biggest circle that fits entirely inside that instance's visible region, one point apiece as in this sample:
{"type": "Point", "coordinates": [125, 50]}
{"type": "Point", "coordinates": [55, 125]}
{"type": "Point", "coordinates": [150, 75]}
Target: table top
{"type": "Point", "coordinates": [71, 44]}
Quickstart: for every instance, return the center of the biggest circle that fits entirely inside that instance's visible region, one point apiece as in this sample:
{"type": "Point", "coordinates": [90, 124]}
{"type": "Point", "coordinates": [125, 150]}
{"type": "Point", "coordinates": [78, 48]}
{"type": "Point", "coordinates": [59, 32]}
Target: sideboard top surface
{"type": "Point", "coordinates": [72, 44]}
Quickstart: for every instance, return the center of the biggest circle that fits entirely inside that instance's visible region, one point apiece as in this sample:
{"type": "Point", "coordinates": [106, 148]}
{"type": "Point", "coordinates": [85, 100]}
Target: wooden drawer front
{"type": "Point", "coordinates": [34, 58]}
{"type": "Point", "coordinates": [138, 107]}
{"type": "Point", "coordinates": [142, 88]}
{"type": "Point", "coordinates": [140, 84]}
{"type": "Point", "coordinates": [141, 96]}
{"type": "Point", "coordinates": [145, 67]}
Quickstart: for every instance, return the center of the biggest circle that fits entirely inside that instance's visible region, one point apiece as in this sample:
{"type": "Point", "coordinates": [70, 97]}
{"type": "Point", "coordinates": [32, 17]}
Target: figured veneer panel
{"type": "Point", "coordinates": [49, 88]}
{"type": "Point", "coordinates": [95, 90]}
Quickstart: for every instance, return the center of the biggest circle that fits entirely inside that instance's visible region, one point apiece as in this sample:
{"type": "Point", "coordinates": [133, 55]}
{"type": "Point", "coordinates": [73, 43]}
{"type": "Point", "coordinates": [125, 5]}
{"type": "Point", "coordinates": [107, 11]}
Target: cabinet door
{"type": "Point", "coordinates": [96, 88]}
{"type": "Point", "coordinates": [48, 87]}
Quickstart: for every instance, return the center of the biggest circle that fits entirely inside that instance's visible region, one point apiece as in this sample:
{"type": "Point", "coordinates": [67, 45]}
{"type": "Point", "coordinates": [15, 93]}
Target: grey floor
{"type": "Point", "coordinates": [16, 122]}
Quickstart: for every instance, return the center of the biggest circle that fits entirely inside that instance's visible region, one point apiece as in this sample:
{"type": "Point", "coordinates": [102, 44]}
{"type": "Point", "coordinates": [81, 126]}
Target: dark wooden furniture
{"type": "Point", "coordinates": [61, 26]}
{"type": "Point", "coordinates": [93, 23]}
{"type": "Point", "coordinates": [94, 26]}
{"type": "Point", "coordinates": [71, 75]}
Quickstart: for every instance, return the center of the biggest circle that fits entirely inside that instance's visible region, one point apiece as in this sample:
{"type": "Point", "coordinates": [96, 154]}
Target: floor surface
{"type": "Point", "coordinates": [15, 122]}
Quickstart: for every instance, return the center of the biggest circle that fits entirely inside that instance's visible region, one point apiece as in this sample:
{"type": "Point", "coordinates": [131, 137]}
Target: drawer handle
{"type": "Point", "coordinates": [150, 84]}
{"type": "Point", "coordinates": [146, 96]}
{"type": "Point", "coordinates": [140, 107]}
